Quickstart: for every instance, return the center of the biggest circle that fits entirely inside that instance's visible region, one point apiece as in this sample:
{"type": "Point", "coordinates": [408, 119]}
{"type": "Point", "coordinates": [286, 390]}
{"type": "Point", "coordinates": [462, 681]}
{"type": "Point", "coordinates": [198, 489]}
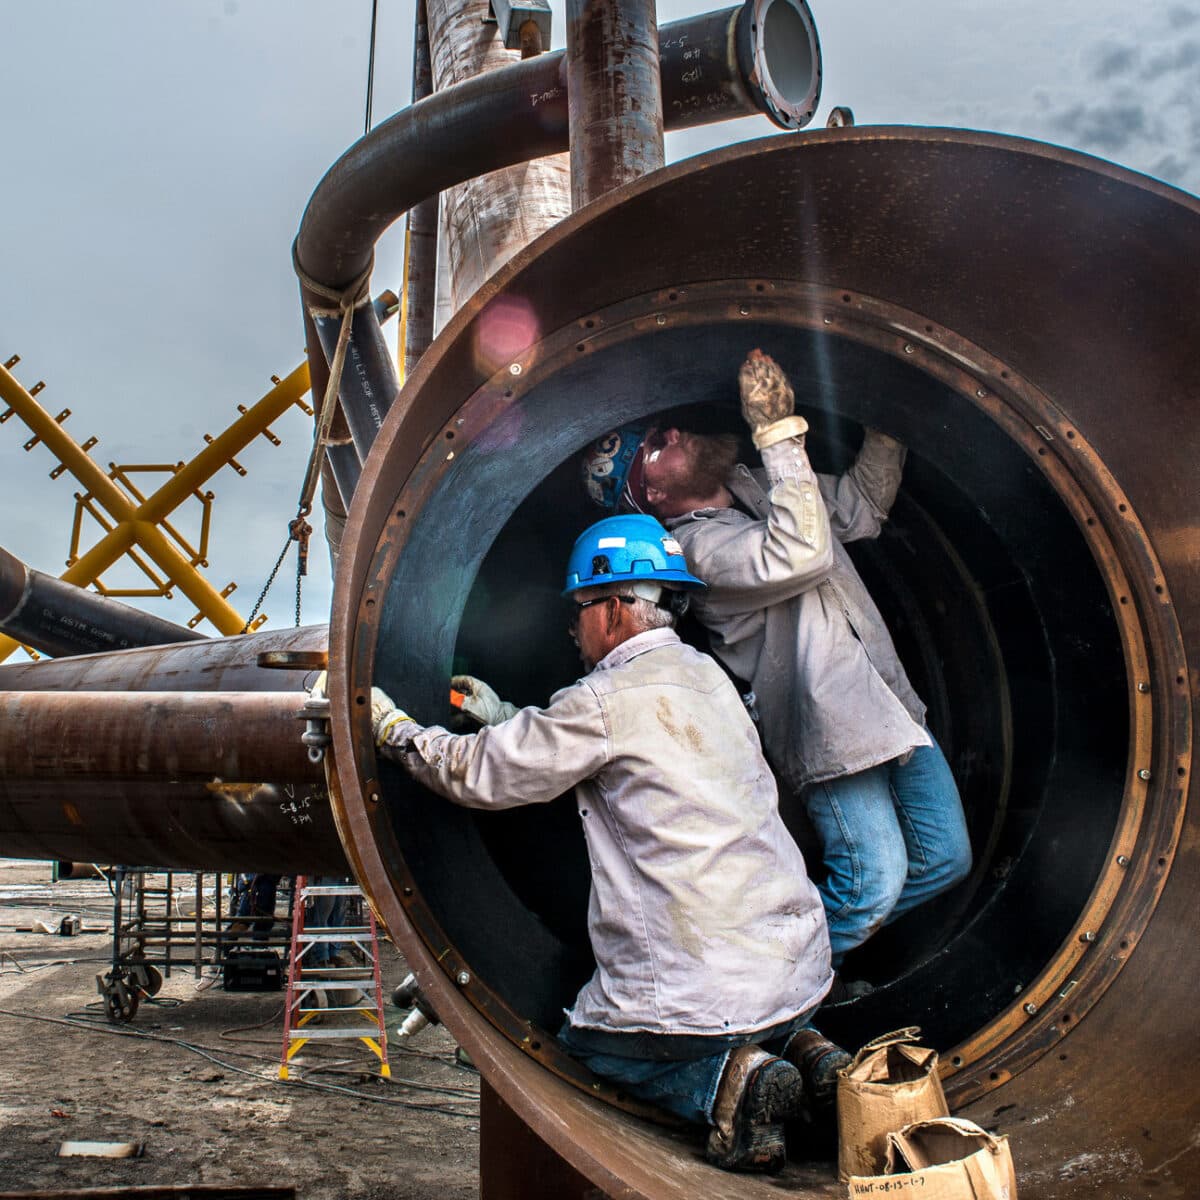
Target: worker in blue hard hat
{"type": "Point", "coordinates": [710, 941]}
{"type": "Point", "coordinates": [788, 614]}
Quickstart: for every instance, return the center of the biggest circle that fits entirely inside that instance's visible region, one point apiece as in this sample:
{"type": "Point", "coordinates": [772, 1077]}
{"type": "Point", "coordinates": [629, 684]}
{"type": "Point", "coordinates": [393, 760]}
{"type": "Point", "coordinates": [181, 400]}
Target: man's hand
{"type": "Point", "coordinates": [391, 725]}
{"type": "Point", "coordinates": [768, 402]}
{"type": "Point", "coordinates": [481, 702]}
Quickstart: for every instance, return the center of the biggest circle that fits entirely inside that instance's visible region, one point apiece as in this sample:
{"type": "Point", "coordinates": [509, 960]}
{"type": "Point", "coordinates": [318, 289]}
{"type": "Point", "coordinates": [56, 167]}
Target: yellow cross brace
{"type": "Point", "coordinates": [138, 524]}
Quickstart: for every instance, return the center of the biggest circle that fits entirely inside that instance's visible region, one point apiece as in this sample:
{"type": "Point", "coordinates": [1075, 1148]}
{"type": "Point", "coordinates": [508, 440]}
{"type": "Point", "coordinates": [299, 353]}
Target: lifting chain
{"type": "Point", "coordinates": [299, 530]}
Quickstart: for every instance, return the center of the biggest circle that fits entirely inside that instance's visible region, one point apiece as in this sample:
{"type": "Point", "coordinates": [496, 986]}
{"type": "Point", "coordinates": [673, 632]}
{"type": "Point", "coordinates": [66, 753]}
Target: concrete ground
{"type": "Point", "coordinates": [193, 1077]}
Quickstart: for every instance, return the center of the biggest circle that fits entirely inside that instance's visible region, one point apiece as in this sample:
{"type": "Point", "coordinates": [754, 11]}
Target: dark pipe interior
{"type": "Point", "coordinates": [996, 605]}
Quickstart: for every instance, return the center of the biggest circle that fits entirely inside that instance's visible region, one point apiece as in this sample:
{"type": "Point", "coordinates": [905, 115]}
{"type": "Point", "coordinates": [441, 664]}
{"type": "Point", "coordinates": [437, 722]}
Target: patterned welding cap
{"type": "Point", "coordinates": [611, 469]}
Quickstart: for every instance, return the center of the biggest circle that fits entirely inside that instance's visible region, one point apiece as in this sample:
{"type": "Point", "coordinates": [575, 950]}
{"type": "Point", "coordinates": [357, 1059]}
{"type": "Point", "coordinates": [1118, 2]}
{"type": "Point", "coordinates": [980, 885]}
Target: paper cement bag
{"type": "Point", "coordinates": [942, 1159]}
{"type": "Point", "coordinates": [891, 1083]}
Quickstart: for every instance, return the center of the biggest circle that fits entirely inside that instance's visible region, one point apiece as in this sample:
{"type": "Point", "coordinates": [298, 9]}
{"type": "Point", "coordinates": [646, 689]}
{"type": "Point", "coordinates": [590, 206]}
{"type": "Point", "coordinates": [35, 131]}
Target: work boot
{"type": "Point", "coordinates": [818, 1060]}
{"type": "Point", "coordinates": [757, 1093]}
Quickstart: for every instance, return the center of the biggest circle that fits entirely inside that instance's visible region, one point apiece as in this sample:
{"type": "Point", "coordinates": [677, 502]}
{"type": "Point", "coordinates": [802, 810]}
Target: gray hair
{"type": "Point", "coordinates": [645, 609]}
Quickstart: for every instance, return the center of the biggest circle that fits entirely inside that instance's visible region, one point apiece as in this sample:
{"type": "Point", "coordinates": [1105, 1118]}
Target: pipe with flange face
{"type": "Point", "coordinates": [58, 618]}
{"type": "Point", "coordinates": [520, 112]}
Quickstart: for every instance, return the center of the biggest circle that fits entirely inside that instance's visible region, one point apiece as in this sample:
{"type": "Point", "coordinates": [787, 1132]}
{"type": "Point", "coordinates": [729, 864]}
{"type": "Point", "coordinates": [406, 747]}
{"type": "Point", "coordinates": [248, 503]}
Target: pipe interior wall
{"type": "Point", "coordinates": [1041, 575]}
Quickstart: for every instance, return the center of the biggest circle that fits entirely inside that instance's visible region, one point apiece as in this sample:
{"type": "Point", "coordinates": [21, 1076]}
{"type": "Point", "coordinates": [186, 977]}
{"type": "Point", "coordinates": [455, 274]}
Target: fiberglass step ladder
{"type": "Point", "coordinates": [322, 991]}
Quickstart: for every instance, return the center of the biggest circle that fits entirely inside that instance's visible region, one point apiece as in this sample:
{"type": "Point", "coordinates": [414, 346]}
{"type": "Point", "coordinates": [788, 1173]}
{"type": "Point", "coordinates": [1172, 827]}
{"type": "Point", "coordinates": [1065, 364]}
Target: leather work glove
{"type": "Point", "coordinates": [480, 701]}
{"type": "Point", "coordinates": [318, 689]}
{"type": "Point", "coordinates": [768, 402]}
{"type": "Point", "coordinates": [391, 725]}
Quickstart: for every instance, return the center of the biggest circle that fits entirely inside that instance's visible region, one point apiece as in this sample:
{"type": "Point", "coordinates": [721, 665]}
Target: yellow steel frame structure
{"type": "Point", "coordinates": [138, 526]}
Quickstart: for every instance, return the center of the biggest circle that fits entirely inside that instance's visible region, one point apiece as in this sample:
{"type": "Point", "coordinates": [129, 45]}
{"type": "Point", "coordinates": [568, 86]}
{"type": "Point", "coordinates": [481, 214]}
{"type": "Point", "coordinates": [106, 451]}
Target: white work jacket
{"type": "Point", "coordinates": [789, 614]}
{"type": "Point", "coordinates": [702, 917]}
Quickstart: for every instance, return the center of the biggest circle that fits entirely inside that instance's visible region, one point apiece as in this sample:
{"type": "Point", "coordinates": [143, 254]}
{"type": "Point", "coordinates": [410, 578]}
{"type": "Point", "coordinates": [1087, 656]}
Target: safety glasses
{"type": "Point", "coordinates": [577, 606]}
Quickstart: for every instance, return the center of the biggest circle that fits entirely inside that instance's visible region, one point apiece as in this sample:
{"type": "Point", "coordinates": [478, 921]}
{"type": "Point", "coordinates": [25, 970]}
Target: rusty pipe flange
{"type": "Point", "coordinates": [787, 60]}
{"type": "Point", "coordinates": [752, 214]}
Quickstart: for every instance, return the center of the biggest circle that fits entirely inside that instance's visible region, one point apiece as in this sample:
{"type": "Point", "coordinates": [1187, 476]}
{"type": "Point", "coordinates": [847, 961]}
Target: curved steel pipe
{"type": "Point", "coordinates": [762, 56]}
{"type": "Point", "coordinates": [60, 619]}
{"type": "Point", "coordinates": [1066, 545]}
{"type": "Point", "coordinates": [520, 112]}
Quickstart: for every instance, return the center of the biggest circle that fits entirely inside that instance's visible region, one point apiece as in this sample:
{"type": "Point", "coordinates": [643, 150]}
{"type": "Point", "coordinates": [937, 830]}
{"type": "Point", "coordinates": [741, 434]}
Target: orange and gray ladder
{"type": "Point", "coordinates": [315, 991]}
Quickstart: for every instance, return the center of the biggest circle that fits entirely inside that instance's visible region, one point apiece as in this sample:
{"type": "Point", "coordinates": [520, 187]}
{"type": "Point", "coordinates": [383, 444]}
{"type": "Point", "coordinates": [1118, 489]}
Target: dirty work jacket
{"type": "Point", "coordinates": [789, 614]}
{"type": "Point", "coordinates": [701, 916]}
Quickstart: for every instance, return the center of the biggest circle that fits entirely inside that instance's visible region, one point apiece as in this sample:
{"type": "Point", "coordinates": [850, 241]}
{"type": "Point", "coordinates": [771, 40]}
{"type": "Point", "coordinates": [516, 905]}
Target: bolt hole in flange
{"type": "Point", "coordinates": [999, 573]}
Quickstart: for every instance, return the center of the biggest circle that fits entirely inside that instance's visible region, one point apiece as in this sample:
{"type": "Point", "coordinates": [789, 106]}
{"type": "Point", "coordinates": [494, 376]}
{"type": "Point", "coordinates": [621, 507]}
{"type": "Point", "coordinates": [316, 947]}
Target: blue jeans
{"type": "Point", "coordinates": [893, 837]}
{"type": "Point", "coordinates": [257, 899]}
{"type": "Point", "coordinates": [327, 911]}
{"type": "Point", "coordinates": [687, 1089]}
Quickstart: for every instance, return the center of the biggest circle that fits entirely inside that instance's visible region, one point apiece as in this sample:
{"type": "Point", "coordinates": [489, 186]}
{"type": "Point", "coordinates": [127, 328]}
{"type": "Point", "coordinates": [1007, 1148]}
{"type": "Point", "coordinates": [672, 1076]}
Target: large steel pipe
{"type": "Point", "coordinates": [614, 95]}
{"type": "Point", "coordinates": [1041, 573]}
{"type": "Point", "coordinates": [59, 618]}
{"type": "Point", "coordinates": [234, 664]}
{"type": "Point", "coordinates": [165, 736]}
{"type": "Point", "coordinates": [185, 756]}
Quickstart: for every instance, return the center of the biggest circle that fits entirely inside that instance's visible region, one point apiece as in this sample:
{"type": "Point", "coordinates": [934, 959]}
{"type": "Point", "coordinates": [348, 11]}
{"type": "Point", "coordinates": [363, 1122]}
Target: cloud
{"type": "Point", "coordinates": [1106, 128]}
{"type": "Point", "coordinates": [1112, 61]}
{"type": "Point", "coordinates": [1133, 99]}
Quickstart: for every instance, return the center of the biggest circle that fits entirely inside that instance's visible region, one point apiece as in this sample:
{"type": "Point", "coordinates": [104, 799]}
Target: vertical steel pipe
{"type": "Point", "coordinates": [368, 383]}
{"type": "Point", "coordinates": [422, 249]}
{"type": "Point", "coordinates": [614, 95]}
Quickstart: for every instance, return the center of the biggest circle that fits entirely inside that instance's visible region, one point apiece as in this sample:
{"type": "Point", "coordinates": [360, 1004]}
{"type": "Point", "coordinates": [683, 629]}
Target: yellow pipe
{"type": "Point", "coordinates": [65, 448]}
{"type": "Point", "coordinates": [402, 324]}
{"type": "Point", "coordinates": [190, 477]}
{"type": "Point", "coordinates": [138, 525]}
{"type": "Point", "coordinates": [190, 582]}
{"type": "Point", "coordinates": [225, 446]}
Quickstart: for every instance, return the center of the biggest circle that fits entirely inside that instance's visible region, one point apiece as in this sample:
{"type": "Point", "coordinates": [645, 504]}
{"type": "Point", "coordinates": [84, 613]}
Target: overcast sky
{"type": "Point", "coordinates": [158, 157]}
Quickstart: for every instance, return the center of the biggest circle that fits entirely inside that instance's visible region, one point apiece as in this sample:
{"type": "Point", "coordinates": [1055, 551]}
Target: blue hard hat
{"type": "Point", "coordinates": [606, 467]}
{"type": "Point", "coordinates": [627, 549]}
